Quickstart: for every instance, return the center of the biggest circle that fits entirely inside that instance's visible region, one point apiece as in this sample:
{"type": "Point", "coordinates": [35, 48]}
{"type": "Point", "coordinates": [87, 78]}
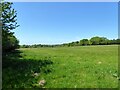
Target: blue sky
{"type": "Point", "coordinates": [56, 23]}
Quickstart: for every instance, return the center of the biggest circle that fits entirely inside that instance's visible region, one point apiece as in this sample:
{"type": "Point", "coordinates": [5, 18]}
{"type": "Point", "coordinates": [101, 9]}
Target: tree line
{"type": "Point", "coordinates": [84, 42]}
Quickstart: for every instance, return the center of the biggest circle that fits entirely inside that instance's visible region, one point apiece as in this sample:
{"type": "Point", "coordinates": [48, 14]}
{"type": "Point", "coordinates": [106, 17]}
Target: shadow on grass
{"type": "Point", "coordinates": [19, 72]}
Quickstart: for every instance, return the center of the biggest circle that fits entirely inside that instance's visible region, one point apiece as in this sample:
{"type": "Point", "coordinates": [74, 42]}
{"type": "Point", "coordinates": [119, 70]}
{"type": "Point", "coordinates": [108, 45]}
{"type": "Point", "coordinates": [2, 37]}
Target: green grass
{"type": "Point", "coordinates": [63, 67]}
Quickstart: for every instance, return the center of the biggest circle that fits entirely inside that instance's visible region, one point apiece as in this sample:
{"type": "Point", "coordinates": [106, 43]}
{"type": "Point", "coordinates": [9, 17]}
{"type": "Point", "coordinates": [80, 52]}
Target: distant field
{"type": "Point", "coordinates": [72, 67]}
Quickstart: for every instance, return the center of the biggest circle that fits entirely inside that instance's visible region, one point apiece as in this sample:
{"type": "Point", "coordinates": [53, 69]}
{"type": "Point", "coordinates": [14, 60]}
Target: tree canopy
{"type": "Point", "coordinates": [9, 22]}
{"type": "Point", "coordinates": [84, 42]}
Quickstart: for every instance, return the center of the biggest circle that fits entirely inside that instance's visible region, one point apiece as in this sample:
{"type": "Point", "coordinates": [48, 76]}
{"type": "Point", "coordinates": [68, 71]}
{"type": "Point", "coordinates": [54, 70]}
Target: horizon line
{"type": "Point", "coordinates": [66, 42]}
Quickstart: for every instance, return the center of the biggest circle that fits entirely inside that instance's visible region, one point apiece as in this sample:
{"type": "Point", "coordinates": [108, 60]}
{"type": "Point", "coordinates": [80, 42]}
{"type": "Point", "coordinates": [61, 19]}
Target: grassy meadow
{"type": "Point", "coordinates": [62, 67]}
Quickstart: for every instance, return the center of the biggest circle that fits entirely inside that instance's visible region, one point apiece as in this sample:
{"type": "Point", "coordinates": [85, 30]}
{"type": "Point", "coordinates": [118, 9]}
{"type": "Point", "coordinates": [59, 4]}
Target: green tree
{"type": "Point", "coordinates": [9, 22]}
{"type": "Point", "coordinates": [84, 42]}
{"type": "Point", "coordinates": [118, 41]}
{"type": "Point", "coordinates": [103, 41]}
{"type": "Point", "coordinates": [95, 40]}
{"type": "Point", "coordinates": [77, 43]}
{"type": "Point", "coordinates": [99, 41]}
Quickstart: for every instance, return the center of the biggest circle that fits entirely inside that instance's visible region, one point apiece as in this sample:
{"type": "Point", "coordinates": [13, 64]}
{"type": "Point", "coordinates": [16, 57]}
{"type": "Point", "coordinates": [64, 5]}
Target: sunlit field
{"type": "Point", "coordinates": [62, 67]}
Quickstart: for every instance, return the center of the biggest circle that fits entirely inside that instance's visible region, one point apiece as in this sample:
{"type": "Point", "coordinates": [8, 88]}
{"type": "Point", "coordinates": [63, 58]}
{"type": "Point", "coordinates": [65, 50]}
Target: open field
{"type": "Point", "coordinates": [63, 67]}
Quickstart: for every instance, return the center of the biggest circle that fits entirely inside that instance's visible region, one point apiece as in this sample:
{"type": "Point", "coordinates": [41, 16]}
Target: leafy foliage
{"type": "Point", "coordinates": [9, 22]}
{"type": "Point", "coordinates": [84, 42]}
{"type": "Point", "coordinates": [99, 40]}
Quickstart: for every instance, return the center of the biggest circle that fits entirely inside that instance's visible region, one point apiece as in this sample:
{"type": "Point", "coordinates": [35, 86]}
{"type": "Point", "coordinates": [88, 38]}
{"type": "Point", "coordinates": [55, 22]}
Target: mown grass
{"type": "Point", "coordinates": [66, 67]}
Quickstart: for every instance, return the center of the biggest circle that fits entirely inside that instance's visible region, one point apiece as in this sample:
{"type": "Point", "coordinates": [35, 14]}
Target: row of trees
{"type": "Point", "coordinates": [93, 41]}
{"type": "Point", "coordinates": [38, 45]}
{"type": "Point", "coordinates": [8, 23]}
{"type": "Point", "coordinates": [99, 41]}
